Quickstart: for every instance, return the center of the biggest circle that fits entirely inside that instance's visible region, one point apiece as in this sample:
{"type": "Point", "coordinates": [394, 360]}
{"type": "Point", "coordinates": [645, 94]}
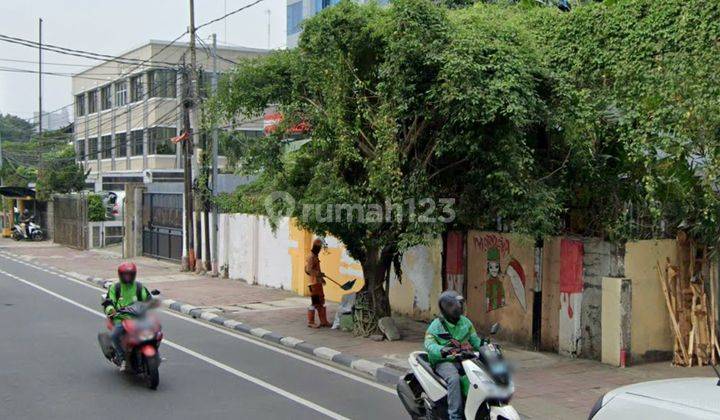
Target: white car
{"type": "Point", "coordinates": [683, 398]}
{"type": "Point", "coordinates": [114, 202]}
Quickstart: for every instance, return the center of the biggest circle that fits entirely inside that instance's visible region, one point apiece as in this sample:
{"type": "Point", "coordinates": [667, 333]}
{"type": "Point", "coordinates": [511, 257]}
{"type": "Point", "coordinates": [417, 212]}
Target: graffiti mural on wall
{"type": "Point", "coordinates": [571, 272]}
{"type": "Point", "coordinates": [455, 262]}
{"type": "Point", "coordinates": [498, 255]}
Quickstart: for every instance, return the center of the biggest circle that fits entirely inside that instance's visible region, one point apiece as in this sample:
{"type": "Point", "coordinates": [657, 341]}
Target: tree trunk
{"type": "Point", "coordinates": [376, 267]}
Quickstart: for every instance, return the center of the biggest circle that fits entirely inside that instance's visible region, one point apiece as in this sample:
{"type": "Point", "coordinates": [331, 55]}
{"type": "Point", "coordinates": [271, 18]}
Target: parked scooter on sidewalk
{"type": "Point", "coordinates": [142, 338]}
{"type": "Point", "coordinates": [32, 231]}
{"type": "Point", "coordinates": [487, 385]}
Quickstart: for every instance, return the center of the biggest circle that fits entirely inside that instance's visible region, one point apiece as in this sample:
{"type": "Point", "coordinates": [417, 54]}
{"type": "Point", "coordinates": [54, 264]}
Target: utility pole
{"type": "Point", "coordinates": [194, 139]}
{"type": "Point", "coordinates": [268, 12]}
{"type": "Point", "coordinates": [40, 21]}
{"type": "Point", "coordinates": [214, 259]}
{"type": "Point", "coordinates": [225, 21]}
{"type": "Point", "coordinates": [188, 263]}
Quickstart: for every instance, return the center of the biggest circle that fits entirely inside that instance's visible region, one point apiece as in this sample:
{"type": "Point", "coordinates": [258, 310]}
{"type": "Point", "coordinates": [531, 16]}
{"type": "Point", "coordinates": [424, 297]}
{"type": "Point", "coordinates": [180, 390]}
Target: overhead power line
{"type": "Point", "coordinates": [15, 60]}
{"type": "Point", "coordinates": [226, 15]}
{"type": "Point", "coordinates": [75, 52]}
{"type": "Point", "coordinates": [118, 77]}
{"type": "Point", "coordinates": [50, 73]}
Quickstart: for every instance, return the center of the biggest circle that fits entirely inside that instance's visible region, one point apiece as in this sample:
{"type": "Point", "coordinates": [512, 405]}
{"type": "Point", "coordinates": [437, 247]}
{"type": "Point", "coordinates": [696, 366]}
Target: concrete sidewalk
{"type": "Point", "coordinates": [548, 386]}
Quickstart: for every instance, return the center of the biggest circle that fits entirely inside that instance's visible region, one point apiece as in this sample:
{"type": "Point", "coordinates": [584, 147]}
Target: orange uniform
{"type": "Point", "coordinates": [317, 296]}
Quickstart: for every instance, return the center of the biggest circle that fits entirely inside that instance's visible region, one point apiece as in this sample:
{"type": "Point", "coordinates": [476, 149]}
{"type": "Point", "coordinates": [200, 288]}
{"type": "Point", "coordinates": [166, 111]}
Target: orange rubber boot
{"type": "Point", "coordinates": [311, 319]}
{"type": "Point", "coordinates": [322, 314]}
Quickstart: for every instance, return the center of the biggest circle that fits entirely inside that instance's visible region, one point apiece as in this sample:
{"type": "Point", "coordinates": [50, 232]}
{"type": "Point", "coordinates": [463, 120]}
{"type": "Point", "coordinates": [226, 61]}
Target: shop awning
{"type": "Point", "coordinates": [17, 192]}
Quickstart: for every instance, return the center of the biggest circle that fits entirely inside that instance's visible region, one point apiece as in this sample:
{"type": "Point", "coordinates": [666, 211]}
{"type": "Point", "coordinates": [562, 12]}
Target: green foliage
{"type": "Point", "coordinates": [638, 81]}
{"type": "Point", "coordinates": [59, 173]}
{"type": "Point", "coordinates": [96, 208]}
{"type": "Point", "coordinates": [607, 116]}
{"type": "Point", "coordinates": [246, 198]}
{"type": "Point", "coordinates": [15, 129]}
{"type": "Point", "coordinates": [406, 102]}
{"type": "Point", "coordinates": [14, 175]}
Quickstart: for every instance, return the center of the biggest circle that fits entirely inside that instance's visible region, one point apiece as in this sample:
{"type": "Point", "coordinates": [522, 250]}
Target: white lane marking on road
{"type": "Point", "coordinates": [237, 336]}
{"type": "Point", "coordinates": [197, 355]}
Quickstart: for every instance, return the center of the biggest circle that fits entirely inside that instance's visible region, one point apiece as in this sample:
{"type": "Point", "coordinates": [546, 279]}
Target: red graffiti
{"type": "Point", "coordinates": [571, 266]}
{"type": "Point", "coordinates": [566, 298]}
{"type": "Point", "coordinates": [486, 242]}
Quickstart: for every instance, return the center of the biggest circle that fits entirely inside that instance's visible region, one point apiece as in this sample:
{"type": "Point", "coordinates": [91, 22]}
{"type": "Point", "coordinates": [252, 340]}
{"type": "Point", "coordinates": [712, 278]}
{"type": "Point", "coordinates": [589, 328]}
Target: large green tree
{"type": "Point", "coordinates": [410, 103]}
{"type": "Point", "coordinates": [638, 80]}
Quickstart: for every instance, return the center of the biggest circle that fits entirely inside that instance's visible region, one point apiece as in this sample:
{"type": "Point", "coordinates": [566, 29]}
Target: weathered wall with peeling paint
{"type": "Point", "coordinates": [418, 292]}
{"type": "Point", "coordinates": [602, 259]}
{"type": "Point", "coordinates": [550, 319]}
{"type": "Point", "coordinates": [616, 318]}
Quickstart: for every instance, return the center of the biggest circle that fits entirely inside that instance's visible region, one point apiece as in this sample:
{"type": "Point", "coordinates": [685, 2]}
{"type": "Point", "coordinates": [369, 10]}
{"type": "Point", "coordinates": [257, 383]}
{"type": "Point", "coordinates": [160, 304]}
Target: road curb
{"type": "Point", "coordinates": [380, 373]}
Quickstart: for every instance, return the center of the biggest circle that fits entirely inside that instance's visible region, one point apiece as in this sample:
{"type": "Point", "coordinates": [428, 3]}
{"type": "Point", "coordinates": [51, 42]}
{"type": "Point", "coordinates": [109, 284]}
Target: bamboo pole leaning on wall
{"type": "Point", "coordinates": [692, 312]}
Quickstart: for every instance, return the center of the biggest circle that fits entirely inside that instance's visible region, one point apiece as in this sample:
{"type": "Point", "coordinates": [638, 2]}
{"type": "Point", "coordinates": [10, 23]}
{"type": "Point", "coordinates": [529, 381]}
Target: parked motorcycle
{"type": "Point", "coordinates": [487, 385]}
{"type": "Point", "coordinates": [33, 233]}
{"type": "Point", "coordinates": [142, 338]}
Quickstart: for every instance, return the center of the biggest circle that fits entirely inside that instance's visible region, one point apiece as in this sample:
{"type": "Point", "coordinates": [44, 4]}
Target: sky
{"type": "Point", "coordinates": [113, 27]}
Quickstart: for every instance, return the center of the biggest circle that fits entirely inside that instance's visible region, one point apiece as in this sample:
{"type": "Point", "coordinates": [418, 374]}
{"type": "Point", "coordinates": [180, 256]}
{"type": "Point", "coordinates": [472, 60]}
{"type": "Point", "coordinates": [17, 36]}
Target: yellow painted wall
{"type": "Point", "coordinates": [418, 292]}
{"type": "Point", "coordinates": [650, 324]}
{"type": "Point", "coordinates": [611, 321]}
{"type": "Point", "coordinates": [334, 262]}
{"type": "Point", "coordinates": [300, 280]}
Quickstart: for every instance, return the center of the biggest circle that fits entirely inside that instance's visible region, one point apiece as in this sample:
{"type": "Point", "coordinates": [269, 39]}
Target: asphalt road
{"type": "Point", "coordinates": [51, 366]}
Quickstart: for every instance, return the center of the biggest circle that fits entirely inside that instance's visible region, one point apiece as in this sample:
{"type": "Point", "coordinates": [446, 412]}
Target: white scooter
{"type": "Point", "coordinates": [423, 392]}
{"type": "Point", "coordinates": [34, 232]}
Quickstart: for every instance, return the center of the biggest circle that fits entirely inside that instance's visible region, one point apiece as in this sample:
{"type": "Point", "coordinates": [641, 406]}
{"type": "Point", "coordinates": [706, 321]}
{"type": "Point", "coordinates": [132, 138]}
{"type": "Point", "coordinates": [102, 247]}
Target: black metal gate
{"type": "Point", "coordinates": [162, 225]}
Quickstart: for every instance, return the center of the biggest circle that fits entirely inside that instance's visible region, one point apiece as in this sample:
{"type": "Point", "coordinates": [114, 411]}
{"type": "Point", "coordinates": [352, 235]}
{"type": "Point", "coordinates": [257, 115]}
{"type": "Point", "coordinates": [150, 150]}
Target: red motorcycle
{"type": "Point", "coordinates": [141, 340]}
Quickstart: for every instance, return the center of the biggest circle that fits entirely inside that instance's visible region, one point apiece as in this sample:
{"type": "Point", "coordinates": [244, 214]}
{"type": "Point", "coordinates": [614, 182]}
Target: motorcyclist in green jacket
{"type": "Point", "coordinates": [447, 334]}
{"type": "Point", "coordinates": [121, 294]}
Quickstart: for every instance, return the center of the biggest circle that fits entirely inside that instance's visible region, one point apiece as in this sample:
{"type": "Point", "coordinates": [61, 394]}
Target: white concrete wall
{"type": "Point", "coordinates": [249, 250]}
{"type": "Point", "coordinates": [274, 261]}
{"type": "Point", "coordinates": [569, 332]}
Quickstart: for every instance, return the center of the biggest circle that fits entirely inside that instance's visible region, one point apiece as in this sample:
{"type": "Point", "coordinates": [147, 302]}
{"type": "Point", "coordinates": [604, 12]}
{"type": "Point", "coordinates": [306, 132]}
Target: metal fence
{"type": "Point", "coordinates": [70, 220]}
{"type": "Point", "coordinates": [102, 234]}
{"type": "Point", "coordinates": [162, 225]}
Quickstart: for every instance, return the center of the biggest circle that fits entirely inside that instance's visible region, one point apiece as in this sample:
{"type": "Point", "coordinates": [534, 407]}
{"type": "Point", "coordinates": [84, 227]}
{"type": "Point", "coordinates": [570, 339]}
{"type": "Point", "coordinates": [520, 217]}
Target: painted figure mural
{"type": "Point", "coordinates": [513, 275]}
{"type": "Point", "coordinates": [494, 290]}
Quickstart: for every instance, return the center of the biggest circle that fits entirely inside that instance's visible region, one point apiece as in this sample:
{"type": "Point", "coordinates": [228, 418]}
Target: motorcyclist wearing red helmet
{"type": "Point", "coordinates": [121, 294]}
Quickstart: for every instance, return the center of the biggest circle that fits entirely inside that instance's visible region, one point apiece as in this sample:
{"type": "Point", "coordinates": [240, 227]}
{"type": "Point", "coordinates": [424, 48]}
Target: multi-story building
{"type": "Point", "coordinates": [126, 113]}
{"type": "Point", "coordinates": [299, 10]}
{"type": "Point", "coordinates": [53, 120]}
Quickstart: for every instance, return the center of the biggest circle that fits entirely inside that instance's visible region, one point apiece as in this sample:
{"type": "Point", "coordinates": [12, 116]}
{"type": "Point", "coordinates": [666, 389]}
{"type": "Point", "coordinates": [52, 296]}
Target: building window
{"type": "Point", "coordinates": [322, 4]}
{"type": "Point", "coordinates": [80, 105]}
{"type": "Point", "coordinates": [92, 148]}
{"type": "Point", "coordinates": [106, 147]}
{"type": "Point", "coordinates": [81, 149]}
{"type": "Point", "coordinates": [120, 93]}
{"type": "Point", "coordinates": [160, 143]}
{"type": "Point", "coordinates": [294, 17]}
{"type": "Point", "coordinates": [136, 88]}
{"type": "Point", "coordinates": [92, 102]}
{"type": "Point", "coordinates": [106, 97]}
{"type": "Point", "coordinates": [137, 142]}
{"type": "Point", "coordinates": [120, 145]}
{"type": "Point", "coordinates": [162, 83]}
